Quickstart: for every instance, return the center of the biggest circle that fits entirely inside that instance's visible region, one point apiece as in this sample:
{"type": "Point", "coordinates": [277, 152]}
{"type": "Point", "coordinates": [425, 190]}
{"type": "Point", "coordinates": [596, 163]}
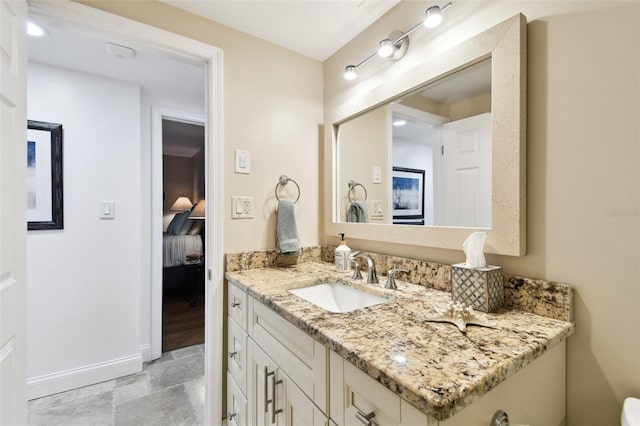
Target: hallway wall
{"type": "Point", "coordinates": [83, 282]}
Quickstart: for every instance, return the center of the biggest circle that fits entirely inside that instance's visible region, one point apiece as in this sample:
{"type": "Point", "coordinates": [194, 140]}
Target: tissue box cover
{"type": "Point", "coordinates": [480, 288]}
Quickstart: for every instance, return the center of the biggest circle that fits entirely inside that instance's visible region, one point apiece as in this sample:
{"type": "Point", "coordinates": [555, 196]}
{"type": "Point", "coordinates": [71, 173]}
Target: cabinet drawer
{"type": "Point", "coordinates": [302, 358]}
{"type": "Point", "coordinates": [236, 404]}
{"type": "Point", "coordinates": [237, 362]}
{"type": "Point", "coordinates": [237, 305]}
{"type": "Point", "coordinates": [365, 395]}
{"type": "Point", "coordinates": [355, 395]}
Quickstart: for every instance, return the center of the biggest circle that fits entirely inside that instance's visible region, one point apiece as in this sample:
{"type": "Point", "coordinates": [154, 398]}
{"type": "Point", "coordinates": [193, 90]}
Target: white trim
{"type": "Point", "coordinates": [214, 290]}
{"type": "Point", "coordinates": [78, 377]}
{"type": "Point", "coordinates": [158, 113]}
{"type": "Point", "coordinates": [145, 352]}
{"type": "Point", "coordinates": [102, 21]}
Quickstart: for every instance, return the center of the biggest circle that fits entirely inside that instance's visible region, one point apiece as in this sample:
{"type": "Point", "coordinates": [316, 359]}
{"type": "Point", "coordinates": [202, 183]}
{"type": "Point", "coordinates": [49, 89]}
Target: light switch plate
{"type": "Point", "coordinates": [243, 161]}
{"type": "Point", "coordinates": [376, 207]}
{"type": "Point", "coordinates": [241, 207]}
{"type": "Point", "coordinates": [377, 174]}
{"type": "Point", "coordinates": [107, 210]}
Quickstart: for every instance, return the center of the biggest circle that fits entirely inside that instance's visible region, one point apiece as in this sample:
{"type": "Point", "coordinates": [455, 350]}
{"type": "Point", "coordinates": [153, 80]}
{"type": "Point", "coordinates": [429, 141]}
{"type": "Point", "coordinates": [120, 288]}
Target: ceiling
{"type": "Point", "coordinates": [314, 28]}
{"type": "Point", "coordinates": [85, 50]}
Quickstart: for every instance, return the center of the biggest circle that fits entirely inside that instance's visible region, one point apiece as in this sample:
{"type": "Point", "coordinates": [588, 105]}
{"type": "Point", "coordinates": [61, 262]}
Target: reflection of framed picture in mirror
{"type": "Point", "coordinates": [44, 175]}
{"type": "Point", "coordinates": [407, 196]}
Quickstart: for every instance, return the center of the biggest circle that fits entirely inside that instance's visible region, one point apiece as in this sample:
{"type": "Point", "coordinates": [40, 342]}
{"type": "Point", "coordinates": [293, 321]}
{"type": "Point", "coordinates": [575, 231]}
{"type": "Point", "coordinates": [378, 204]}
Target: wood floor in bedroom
{"type": "Point", "coordinates": [182, 323]}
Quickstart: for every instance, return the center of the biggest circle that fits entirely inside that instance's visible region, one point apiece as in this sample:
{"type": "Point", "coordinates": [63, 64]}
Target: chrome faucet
{"type": "Point", "coordinates": [372, 277]}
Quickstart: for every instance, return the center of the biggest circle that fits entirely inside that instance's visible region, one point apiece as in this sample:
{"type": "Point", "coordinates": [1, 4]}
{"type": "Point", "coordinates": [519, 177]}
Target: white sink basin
{"type": "Point", "coordinates": [336, 297]}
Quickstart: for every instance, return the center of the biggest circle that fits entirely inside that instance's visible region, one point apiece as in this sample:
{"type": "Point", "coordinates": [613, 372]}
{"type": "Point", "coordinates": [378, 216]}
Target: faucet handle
{"type": "Point", "coordinates": [391, 282]}
{"type": "Point", "coordinates": [356, 270]}
{"type": "Point", "coordinates": [354, 254]}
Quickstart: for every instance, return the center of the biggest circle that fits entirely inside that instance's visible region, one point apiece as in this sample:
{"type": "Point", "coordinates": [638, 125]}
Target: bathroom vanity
{"type": "Point", "coordinates": [292, 362]}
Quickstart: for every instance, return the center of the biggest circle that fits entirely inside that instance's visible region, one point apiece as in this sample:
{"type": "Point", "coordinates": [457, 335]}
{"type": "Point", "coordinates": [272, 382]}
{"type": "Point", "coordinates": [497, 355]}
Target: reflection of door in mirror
{"type": "Point", "coordinates": [466, 166]}
{"type": "Point", "coordinates": [456, 159]}
{"type": "Point", "coordinates": [435, 130]}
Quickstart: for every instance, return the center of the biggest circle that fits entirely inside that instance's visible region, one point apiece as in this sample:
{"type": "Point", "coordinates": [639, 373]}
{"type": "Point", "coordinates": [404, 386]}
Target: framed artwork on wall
{"type": "Point", "coordinates": [44, 176]}
{"type": "Point", "coordinates": [408, 195]}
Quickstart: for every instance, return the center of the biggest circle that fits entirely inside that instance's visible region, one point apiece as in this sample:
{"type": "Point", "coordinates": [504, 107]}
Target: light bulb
{"type": "Point", "coordinates": [386, 48]}
{"type": "Point", "coordinates": [399, 122]}
{"type": "Point", "coordinates": [432, 17]}
{"type": "Point", "coordinates": [350, 72]}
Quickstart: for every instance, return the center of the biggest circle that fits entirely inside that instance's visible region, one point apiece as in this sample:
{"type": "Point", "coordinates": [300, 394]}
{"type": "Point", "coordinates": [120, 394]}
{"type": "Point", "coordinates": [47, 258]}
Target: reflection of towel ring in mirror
{"type": "Point", "coordinates": [353, 184]}
{"type": "Point", "coordinates": [282, 181]}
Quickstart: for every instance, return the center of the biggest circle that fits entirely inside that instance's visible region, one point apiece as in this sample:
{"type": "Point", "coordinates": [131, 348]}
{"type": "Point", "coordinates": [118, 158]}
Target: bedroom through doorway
{"type": "Point", "coordinates": [183, 210]}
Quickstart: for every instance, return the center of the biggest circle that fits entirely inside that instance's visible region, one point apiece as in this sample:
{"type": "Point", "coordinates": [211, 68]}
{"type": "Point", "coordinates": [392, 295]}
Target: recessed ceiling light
{"type": "Point", "coordinates": [399, 122]}
{"type": "Point", "coordinates": [35, 30]}
{"type": "Point", "coordinates": [120, 52]}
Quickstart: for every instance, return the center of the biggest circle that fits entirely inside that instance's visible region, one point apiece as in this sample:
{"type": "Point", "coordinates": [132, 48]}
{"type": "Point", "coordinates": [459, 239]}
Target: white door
{"type": "Point", "coordinates": [466, 165]}
{"type": "Point", "coordinates": [13, 205]}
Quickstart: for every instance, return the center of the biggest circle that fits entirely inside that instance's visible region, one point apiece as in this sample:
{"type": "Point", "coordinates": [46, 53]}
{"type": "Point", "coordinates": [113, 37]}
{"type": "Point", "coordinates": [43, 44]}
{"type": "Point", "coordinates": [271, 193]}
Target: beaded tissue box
{"type": "Point", "coordinates": [480, 288]}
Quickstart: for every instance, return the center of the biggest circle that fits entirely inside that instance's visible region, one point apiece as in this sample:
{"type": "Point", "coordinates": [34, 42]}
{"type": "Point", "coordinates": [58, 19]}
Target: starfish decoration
{"type": "Point", "coordinates": [460, 315]}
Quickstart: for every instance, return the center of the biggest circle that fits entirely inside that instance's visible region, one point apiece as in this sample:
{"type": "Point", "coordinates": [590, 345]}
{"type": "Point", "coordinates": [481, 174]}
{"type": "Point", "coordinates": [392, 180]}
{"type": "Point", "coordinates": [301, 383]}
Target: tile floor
{"type": "Point", "coordinates": [170, 391]}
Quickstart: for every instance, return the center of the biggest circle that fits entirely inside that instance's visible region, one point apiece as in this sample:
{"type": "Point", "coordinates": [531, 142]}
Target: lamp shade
{"type": "Point", "coordinates": [182, 203]}
{"type": "Point", "coordinates": [199, 212]}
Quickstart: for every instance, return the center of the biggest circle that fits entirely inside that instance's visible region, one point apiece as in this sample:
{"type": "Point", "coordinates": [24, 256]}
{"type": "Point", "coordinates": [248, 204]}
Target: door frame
{"type": "Point", "coordinates": [98, 20]}
{"type": "Point", "coordinates": [159, 113]}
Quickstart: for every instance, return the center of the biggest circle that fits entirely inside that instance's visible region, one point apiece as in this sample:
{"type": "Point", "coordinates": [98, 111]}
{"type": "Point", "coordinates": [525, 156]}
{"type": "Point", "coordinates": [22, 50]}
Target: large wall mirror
{"type": "Point", "coordinates": [439, 152]}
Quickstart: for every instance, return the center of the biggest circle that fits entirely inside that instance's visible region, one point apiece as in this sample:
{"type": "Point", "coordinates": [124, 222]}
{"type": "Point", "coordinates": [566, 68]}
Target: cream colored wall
{"type": "Point", "coordinates": [365, 146]}
{"type": "Point", "coordinates": [470, 107]}
{"type": "Point", "coordinates": [583, 178]}
{"type": "Point", "coordinates": [272, 107]}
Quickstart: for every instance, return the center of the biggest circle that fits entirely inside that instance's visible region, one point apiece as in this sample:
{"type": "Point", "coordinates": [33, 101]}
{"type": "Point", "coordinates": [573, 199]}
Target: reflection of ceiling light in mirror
{"type": "Point", "coordinates": [35, 30]}
{"type": "Point", "coordinates": [399, 122]}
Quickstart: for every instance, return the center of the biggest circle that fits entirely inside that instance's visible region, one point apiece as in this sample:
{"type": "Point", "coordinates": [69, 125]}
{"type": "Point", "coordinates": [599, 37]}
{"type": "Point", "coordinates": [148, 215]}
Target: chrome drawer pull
{"type": "Point", "coordinates": [267, 401]}
{"type": "Point", "coordinates": [235, 304]}
{"type": "Point", "coordinates": [233, 354]}
{"type": "Point", "coordinates": [231, 416]}
{"type": "Point", "coordinates": [273, 395]}
{"type": "Point", "coordinates": [365, 419]}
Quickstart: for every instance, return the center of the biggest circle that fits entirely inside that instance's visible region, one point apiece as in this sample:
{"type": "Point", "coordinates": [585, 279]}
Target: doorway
{"type": "Point", "coordinates": [90, 19]}
{"type": "Point", "coordinates": [183, 189]}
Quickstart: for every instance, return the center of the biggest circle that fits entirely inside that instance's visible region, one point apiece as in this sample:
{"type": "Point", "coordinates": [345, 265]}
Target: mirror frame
{"type": "Point", "coordinates": [505, 44]}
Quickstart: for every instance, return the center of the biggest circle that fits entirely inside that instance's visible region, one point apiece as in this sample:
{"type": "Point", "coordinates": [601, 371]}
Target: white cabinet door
{"type": "Point", "coordinates": [275, 399]}
{"type": "Point", "coordinates": [265, 383]}
{"type": "Point", "coordinates": [299, 410]}
{"type": "Point", "coordinates": [236, 404]}
{"type": "Point", "coordinates": [13, 204]}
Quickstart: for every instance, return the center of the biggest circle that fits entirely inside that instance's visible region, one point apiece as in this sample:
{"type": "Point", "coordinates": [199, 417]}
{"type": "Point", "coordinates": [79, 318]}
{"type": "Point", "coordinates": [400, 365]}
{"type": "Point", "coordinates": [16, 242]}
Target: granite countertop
{"type": "Point", "coordinates": [432, 365]}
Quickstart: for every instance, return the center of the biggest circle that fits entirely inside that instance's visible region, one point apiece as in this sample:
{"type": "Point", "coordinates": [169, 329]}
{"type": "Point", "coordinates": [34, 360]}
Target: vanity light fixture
{"type": "Point", "coordinates": [395, 46]}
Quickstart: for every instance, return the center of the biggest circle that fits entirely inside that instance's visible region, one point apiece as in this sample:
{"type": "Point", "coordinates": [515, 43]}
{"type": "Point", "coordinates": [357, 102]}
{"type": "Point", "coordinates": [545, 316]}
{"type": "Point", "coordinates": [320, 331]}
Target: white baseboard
{"type": "Point", "coordinates": [145, 351]}
{"type": "Point", "coordinates": [49, 384]}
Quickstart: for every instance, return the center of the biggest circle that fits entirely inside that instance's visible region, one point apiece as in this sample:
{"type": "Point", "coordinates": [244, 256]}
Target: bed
{"type": "Point", "coordinates": [183, 238]}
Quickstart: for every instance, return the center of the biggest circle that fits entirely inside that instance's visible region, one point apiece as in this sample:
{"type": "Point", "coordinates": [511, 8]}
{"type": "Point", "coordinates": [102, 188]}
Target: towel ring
{"type": "Point", "coordinates": [352, 185]}
{"type": "Point", "coordinates": [282, 181]}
